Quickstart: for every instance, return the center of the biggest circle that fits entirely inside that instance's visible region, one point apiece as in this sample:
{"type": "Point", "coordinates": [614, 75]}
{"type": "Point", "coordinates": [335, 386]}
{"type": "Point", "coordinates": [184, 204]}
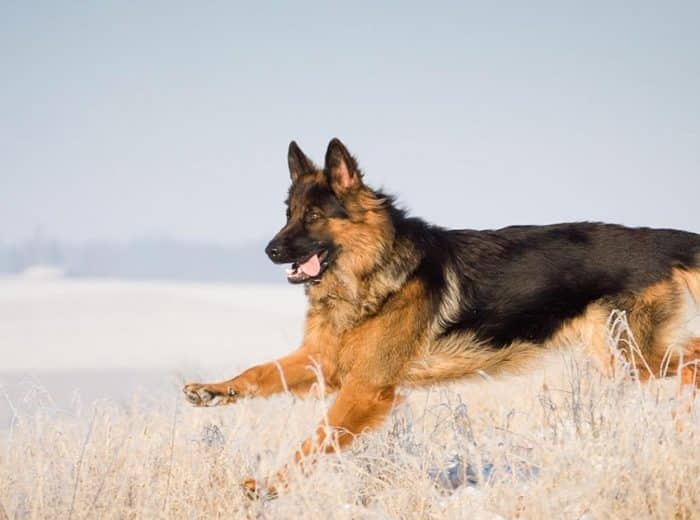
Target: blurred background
{"type": "Point", "coordinates": [143, 153]}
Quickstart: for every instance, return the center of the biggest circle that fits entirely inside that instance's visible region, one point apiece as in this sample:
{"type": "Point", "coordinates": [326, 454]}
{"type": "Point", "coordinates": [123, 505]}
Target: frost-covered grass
{"type": "Point", "coordinates": [562, 442]}
{"type": "Point", "coordinates": [565, 443]}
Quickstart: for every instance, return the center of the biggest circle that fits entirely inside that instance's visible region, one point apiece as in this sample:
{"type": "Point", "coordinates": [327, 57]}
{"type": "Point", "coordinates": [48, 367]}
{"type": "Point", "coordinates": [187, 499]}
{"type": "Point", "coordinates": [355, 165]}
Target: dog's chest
{"type": "Point", "coordinates": [340, 315]}
{"type": "Point", "coordinates": [329, 333]}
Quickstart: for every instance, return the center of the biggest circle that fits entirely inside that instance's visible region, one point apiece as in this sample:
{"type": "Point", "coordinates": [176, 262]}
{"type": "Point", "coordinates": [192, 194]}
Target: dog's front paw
{"type": "Point", "coordinates": [209, 395]}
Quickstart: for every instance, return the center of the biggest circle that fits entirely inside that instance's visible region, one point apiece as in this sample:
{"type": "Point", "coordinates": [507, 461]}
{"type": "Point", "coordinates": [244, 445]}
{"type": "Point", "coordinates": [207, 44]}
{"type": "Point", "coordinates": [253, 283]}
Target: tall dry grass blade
{"type": "Point", "coordinates": [172, 451]}
{"type": "Point", "coordinates": [284, 379]}
{"type": "Point", "coordinates": [619, 333]}
{"type": "Point", "coordinates": [13, 419]}
{"type": "Point", "coordinates": [108, 472]}
{"type": "Point", "coordinates": [79, 462]}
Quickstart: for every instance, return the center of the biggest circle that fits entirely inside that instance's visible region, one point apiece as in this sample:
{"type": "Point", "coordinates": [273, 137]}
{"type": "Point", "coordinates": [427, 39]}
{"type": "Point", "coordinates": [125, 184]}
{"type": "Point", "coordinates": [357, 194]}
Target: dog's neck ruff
{"type": "Point", "coordinates": [350, 297]}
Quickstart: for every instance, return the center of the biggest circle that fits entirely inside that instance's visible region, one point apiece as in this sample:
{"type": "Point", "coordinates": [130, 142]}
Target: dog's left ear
{"type": "Point", "coordinates": [299, 164]}
{"type": "Point", "coordinates": [341, 168]}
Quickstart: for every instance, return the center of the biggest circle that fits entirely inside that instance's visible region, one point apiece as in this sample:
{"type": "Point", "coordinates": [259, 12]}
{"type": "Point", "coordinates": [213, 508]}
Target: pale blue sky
{"type": "Point", "coordinates": [128, 119]}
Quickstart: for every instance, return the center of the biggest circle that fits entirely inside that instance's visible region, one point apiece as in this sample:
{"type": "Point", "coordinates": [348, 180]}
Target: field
{"type": "Point", "coordinates": [559, 442]}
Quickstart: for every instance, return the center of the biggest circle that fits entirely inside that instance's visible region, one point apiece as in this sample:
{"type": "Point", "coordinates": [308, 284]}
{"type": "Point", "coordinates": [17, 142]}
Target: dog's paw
{"type": "Point", "coordinates": [209, 395]}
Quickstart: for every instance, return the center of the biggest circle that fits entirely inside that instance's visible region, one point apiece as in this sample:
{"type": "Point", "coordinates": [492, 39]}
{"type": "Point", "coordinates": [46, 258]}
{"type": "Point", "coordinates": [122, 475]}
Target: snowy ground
{"type": "Point", "coordinates": [95, 324]}
{"type": "Point", "coordinates": [108, 338]}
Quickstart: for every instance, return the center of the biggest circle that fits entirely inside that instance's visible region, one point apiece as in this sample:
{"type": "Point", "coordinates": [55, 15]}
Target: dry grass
{"type": "Point", "coordinates": [564, 443]}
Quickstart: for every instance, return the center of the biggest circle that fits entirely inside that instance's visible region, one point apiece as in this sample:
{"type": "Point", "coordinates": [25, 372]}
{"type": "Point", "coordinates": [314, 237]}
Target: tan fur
{"type": "Point", "coordinates": [294, 372]}
{"type": "Point", "coordinates": [664, 320]}
{"type": "Point", "coordinates": [451, 303]}
{"type": "Point", "coordinates": [690, 367]}
{"type": "Point", "coordinates": [460, 355]}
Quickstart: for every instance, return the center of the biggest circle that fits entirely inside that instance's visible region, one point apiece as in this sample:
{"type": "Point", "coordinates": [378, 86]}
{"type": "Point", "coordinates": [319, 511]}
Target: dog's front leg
{"type": "Point", "coordinates": [295, 372]}
{"type": "Point", "coordinates": [358, 407]}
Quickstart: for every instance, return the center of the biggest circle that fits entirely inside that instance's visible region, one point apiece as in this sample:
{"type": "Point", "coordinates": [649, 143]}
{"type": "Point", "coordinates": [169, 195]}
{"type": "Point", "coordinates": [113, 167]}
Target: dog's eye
{"type": "Point", "coordinates": [313, 216]}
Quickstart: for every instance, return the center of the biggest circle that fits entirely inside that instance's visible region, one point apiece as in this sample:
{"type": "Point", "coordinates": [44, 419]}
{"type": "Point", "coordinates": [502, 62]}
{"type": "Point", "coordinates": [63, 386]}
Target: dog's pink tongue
{"type": "Point", "coordinates": [312, 266]}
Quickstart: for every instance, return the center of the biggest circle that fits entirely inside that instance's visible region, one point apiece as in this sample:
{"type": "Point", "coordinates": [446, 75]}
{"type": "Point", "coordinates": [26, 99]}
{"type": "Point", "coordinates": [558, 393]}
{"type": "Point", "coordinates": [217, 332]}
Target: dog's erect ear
{"type": "Point", "coordinates": [299, 164]}
{"type": "Point", "coordinates": [341, 168]}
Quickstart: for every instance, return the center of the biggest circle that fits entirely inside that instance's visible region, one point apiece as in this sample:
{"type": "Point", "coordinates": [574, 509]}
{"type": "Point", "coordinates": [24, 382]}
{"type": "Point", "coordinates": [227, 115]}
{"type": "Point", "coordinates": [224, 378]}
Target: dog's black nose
{"type": "Point", "coordinates": [273, 251]}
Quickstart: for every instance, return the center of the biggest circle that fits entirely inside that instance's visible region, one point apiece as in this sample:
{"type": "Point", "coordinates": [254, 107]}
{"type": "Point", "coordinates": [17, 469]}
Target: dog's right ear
{"type": "Point", "coordinates": [299, 164]}
{"type": "Point", "coordinates": [341, 169]}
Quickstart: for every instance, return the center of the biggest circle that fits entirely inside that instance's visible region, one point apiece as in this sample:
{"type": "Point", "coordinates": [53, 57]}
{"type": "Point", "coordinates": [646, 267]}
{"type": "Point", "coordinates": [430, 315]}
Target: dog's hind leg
{"type": "Point", "coordinates": [667, 319]}
{"type": "Point", "coordinates": [690, 368]}
{"type": "Point", "coordinates": [689, 282]}
{"type": "Point", "coordinates": [686, 363]}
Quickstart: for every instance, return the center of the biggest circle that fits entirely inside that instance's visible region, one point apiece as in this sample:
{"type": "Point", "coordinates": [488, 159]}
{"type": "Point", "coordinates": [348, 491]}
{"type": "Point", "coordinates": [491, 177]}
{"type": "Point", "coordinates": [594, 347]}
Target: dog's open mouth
{"type": "Point", "coordinates": [308, 268]}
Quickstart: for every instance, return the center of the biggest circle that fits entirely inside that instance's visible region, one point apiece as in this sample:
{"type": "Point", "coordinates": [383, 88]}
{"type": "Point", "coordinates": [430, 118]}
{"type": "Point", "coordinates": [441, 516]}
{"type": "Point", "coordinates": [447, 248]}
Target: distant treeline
{"type": "Point", "coordinates": [157, 259]}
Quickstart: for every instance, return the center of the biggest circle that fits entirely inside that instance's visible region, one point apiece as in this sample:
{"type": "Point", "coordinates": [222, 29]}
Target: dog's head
{"type": "Point", "coordinates": [331, 217]}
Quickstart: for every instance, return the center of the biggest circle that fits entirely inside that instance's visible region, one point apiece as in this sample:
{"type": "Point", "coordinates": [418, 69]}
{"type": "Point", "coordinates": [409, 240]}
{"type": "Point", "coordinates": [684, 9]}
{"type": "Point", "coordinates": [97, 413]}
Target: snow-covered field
{"type": "Point", "coordinates": [94, 425]}
{"type": "Point", "coordinates": [62, 324]}
{"type": "Point", "coordinates": [109, 338]}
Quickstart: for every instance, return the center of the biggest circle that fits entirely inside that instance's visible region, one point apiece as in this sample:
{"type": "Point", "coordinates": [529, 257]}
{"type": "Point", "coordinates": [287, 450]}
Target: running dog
{"type": "Point", "coordinates": [396, 302]}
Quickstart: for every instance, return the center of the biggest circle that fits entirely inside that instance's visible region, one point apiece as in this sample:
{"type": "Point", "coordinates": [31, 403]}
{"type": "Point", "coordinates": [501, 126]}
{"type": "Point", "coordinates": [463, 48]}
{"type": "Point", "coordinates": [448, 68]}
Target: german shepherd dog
{"type": "Point", "coordinates": [394, 301]}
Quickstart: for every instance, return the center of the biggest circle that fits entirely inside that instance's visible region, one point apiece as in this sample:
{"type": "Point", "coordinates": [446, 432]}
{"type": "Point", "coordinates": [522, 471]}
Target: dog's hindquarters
{"type": "Point", "coordinates": [665, 322]}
